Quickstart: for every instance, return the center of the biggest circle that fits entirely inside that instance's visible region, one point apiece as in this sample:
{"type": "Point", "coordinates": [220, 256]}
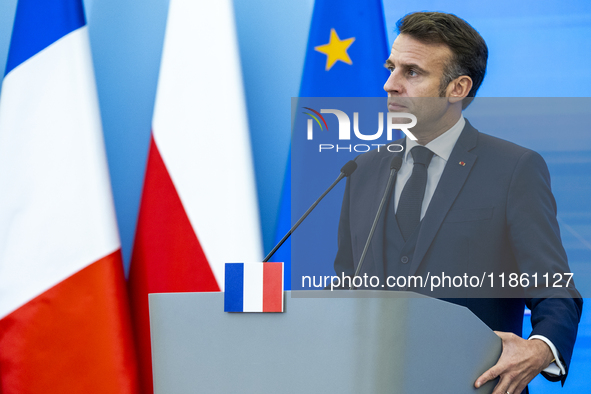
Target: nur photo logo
{"type": "Point", "coordinates": [391, 119]}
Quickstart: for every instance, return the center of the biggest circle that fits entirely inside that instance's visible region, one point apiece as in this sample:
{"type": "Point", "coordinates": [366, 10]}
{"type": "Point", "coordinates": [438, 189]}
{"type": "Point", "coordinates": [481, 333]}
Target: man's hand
{"type": "Point", "coordinates": [520, 362]}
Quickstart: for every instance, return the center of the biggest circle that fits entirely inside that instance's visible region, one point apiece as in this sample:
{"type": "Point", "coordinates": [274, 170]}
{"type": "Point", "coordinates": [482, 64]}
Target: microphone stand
{"type": "Point", "coordinates": [395, 165]}
{"type": "Point", "coordinates": [347, 170]}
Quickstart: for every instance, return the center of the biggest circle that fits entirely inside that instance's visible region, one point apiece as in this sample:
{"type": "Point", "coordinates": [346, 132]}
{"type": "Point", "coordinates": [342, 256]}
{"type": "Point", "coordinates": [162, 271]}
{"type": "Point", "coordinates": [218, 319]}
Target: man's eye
{"type": "Point", "coordinates": [412, 73]}
{"type": "Point", "coordinates": [391, 69]}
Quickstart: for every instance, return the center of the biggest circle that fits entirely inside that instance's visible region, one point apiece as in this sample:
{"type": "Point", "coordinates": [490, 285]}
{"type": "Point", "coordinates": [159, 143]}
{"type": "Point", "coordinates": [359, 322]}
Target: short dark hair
{"type": "Point", "coordinates": [470, 52]}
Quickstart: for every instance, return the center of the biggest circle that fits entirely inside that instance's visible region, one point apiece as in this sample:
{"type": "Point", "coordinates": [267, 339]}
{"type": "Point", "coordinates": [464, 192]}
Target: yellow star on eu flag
{"type": "Point", "coordinates": [336, 49]}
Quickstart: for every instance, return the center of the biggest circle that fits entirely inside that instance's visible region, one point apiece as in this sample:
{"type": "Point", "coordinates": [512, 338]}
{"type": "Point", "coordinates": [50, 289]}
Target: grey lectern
{"type": "Point", "coordinates": [325, 342]}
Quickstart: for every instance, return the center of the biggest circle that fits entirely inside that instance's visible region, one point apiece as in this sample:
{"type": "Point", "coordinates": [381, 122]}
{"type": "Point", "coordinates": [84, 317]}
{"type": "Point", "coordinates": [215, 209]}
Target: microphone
{"type": "Point", "coordinates": [347, 170]}
{"type": "Point", "coordinates": [395, 165]}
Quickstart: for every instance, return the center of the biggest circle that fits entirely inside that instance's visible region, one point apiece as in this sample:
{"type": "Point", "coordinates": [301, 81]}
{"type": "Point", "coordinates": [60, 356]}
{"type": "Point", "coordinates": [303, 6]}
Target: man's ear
{"type": "Point", "coordinates": [459, 88]}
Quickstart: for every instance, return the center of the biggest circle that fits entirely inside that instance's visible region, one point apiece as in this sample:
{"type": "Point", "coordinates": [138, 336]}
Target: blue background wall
{"type": "Point", "coordinates": [537, 48]}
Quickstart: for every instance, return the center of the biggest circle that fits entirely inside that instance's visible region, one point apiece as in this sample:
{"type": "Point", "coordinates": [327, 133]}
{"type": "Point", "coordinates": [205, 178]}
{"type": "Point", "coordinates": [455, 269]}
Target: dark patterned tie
{"type": "Point", "coordinates": [408, 213]}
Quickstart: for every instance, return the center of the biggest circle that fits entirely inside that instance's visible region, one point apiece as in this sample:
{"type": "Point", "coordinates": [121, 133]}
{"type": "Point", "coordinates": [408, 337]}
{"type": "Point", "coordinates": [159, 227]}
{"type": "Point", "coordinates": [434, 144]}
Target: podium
{"type": "Point", "coordinates": [359, 341]}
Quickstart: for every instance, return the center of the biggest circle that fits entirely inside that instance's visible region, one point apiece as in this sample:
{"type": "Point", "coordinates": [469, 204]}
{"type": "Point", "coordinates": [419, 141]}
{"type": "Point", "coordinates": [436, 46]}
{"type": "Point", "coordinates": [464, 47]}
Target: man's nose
{"type": "Point", "coordinates": [393, 83]}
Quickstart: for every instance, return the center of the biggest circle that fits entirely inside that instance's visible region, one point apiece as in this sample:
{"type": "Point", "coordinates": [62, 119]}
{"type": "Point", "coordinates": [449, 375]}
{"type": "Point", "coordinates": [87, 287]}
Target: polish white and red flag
{"type": "Point", "coordinates": [64, 314]}
{"type": "Point", "coordinates": [199, 208]}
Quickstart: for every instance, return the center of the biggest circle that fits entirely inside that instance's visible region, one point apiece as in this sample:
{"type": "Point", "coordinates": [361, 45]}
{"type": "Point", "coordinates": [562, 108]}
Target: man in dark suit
{"type": "Point", "coordinates": [463, 202]}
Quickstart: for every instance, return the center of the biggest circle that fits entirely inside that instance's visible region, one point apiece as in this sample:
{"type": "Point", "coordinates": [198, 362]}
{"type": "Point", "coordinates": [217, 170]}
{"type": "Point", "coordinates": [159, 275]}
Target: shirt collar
{"type": "Point", "coordinates": [442, 145]}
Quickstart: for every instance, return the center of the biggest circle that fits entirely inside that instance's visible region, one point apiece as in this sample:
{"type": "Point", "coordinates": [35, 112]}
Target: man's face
{"type": "Point", "coordinates": [416, 71]}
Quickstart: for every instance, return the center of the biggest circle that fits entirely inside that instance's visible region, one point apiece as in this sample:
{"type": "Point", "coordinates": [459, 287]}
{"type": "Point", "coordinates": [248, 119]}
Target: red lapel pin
{"type": "Point", "coordinates": [462, 163]}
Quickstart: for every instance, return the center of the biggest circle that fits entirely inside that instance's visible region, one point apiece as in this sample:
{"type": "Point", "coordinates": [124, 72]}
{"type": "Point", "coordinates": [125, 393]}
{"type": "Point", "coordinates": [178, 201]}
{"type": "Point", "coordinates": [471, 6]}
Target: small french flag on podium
{"type": "Point", "coordinates": [253, 287]}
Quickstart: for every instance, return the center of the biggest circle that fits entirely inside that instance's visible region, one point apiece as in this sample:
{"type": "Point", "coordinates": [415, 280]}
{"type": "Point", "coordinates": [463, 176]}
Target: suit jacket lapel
{"type": "Point", "coordinates": [453, 178]}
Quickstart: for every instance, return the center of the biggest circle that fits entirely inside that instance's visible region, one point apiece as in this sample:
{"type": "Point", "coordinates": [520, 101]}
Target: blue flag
{"type": "Point", "coordinates": [347, 48]}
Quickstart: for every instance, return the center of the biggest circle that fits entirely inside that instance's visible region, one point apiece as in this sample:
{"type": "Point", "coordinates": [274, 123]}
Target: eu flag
{"type": "Point", "coordinates": [347, 47]}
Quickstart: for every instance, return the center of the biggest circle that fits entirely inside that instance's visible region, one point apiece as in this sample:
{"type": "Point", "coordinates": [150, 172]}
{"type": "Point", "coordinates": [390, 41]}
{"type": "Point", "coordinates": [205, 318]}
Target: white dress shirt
{"type": "Point", "coordinates": [442, 147]}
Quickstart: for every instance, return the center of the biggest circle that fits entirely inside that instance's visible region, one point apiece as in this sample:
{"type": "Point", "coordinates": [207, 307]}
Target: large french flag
{"type": "Point", "coordinates": [64, 318]}
{"type": "Point", "coordinates": [199, 208]}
